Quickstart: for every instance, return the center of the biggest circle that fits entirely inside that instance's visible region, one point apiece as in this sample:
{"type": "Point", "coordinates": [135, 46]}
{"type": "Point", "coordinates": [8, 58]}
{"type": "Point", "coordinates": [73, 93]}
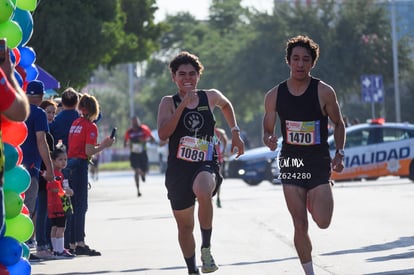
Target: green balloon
{"type": "Point", "coordinates": [20, 227]}
{"type": "Point", "coordinates": [13, 204]}
{"type": "Point", "coordinates": [16, 179]}
{"type": "Point", "coordinates": [6, 10]}
{"type": "Point", "coordinates": [28, 5]}
{"type": "Point", "coordinates": [26, 250]}
{"type": "Point", "coordinates": [12, 31]}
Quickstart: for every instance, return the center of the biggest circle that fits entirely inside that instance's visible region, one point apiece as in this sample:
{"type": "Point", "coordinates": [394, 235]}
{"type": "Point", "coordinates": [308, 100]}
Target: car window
{"type": "Point", "coordinates": [356, 138]}
{"type": "Point", "coordinates": [396, 134]}
{"type": "Point", "coordinates": [375, 135]}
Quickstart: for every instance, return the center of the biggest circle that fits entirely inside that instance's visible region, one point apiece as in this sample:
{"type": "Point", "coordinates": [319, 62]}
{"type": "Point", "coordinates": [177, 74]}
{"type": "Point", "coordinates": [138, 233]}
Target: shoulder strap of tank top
{"type": "Point", "coordinates": [203, 96]}
{"type": "Point", "coordinates": [280, 87]}
{"type": "Point", "coordinates": [314, 82]}
{"type": "Point", "coordinates": [177, 100]}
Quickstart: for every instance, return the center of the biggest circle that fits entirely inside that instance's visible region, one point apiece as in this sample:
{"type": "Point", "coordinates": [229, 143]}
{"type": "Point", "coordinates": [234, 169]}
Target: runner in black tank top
{"type": "Point", "coordinates": [304, 158]}
{"type": "Point", "coordinates": [195, 123]}
{"type": "Point", "coordinates": [186, 120]}
{"type": "Point", "coordinates": [303, 105]}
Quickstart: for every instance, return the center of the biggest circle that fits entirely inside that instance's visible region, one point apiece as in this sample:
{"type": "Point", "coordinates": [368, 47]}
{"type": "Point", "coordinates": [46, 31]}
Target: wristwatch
{"type": "Point", "coordinates": [340, 152]}
{"type": "Point", "coordinates": [235, 128]}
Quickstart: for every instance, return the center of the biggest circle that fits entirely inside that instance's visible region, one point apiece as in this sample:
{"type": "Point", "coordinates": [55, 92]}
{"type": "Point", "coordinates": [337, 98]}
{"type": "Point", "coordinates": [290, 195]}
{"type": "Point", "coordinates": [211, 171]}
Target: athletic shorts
{"type": "Point", "coordinates": [179, 182]}
{"type": "Point", "coordinates": [139, 161]}
{"type": "Point", "coordinates": [306, 172]}
{"type": "Point", "coordinates": [59, 221]}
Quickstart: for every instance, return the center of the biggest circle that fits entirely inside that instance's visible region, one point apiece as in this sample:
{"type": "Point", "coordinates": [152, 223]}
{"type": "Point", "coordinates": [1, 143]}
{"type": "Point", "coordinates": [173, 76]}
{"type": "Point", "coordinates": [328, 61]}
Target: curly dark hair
{"type": "Point", "coordinates": [305, 42]}
{"type": "Point", "coordinates": [186, 58]}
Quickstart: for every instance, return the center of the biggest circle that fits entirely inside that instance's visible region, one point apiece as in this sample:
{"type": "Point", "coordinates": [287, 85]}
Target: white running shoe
{"type": "Point", "coordinates": [208, 262]}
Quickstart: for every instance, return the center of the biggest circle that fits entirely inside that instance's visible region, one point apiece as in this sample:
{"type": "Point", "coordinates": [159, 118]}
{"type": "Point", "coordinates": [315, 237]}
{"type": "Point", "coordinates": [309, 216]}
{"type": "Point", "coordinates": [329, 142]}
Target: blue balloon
{"type": "Point", "coordinates": [18, 78]}
{"type": "Point", "coordinates": [31, 72]}
{"type": "Point", "coordinates": [3, 230]}
{"type": "Point", "coordinates": [25, 20]}
{"type": "Point", "coordinates": [12, 57]}
{"type": "Point", "coordinates": [22, 267]}
{"type": "Point", "coordinates": [27, 56]}
{"type": "Point", "coordinates": [10, 251]}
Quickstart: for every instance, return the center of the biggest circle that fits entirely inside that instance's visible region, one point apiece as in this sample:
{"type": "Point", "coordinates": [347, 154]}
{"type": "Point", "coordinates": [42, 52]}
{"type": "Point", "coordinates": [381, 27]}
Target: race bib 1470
{"type": "Point", "coordinates": [303, 132]}
{"type": "Point", "coordinates": [194, 149]}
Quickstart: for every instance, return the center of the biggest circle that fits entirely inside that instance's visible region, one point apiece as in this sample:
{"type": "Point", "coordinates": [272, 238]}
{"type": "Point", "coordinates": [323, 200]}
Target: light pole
{"type": "Point", "coordinates": [395, 64]}
{"type": "Point", "coordinates": [131, 89]}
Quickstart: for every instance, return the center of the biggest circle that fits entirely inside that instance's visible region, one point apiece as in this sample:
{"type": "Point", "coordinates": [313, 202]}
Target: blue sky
{"type": "Point", "coordinates": [199, 8]}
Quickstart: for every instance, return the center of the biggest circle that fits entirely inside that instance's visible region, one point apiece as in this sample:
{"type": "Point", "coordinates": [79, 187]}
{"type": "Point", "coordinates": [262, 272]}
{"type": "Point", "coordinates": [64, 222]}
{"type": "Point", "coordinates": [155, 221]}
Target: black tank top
{"type": "Point", "coordinates": [304, 127]}
{"type": "Point", "coordinates": [198, 123]}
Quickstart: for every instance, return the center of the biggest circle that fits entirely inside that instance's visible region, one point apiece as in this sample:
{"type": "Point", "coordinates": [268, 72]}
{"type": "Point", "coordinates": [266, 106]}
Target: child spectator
{"type": "Point", "coordinates": [59, 203]}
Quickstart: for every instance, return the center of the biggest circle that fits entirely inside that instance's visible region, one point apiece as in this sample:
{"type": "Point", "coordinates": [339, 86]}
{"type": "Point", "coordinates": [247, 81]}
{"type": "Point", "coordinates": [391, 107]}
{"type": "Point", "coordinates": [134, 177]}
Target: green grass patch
{"type": "Point", "coordinates": [121, 166]}
{"type": "Point", "coordinates": [115, 166]}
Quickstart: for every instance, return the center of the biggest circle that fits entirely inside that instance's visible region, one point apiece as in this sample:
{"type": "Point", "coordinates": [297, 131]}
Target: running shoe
{"type": "Point", "coordinates": [31, 243]}
{"type": "Point", "coordinates": [34, 258]}
{"type": "Point", "coordinates": [44, 254]}
{"type": "Point", "coordinates": [85, 250]}
{"type": "Point", "coordinates": [65, 254]}
{"type": "Point", "coordinates": [208, 262]}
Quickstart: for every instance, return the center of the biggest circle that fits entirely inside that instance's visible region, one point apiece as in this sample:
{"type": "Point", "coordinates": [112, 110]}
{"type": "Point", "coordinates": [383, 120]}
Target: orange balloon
{"type": "Point", "coordinates": [13, 132]}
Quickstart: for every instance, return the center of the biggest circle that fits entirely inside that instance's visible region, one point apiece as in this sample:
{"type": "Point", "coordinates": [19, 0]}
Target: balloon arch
{"type": "Point", "coordinates": [16, 25]}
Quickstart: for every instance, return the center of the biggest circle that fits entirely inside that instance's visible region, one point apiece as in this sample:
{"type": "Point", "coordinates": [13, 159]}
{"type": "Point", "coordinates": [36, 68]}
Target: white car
{"type": "Point", "coordinates": [377, 149]}
{"type": "Point", "coordinates": [255, 165]}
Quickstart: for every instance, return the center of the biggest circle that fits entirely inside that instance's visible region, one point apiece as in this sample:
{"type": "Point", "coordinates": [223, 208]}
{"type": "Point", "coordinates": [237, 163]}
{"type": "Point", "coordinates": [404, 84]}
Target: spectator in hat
{"type": "Point", "coordinates": [35, 150]}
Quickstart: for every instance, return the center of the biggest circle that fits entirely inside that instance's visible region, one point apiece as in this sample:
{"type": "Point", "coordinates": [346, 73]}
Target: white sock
{"type": "Point", "coordinates": [308, 267]}
{"type": "Point", "coordinates": [60, 244]}
{"type": "Point", "coordinates": [54, 244]}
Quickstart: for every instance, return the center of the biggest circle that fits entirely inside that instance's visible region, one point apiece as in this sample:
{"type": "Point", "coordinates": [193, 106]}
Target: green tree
{"type": "Point", "coordinates": [243, 51]}
{"type": "Point", "coordinates": [226, 15]}
{"type": "Point", "coordinates": [72, 38]}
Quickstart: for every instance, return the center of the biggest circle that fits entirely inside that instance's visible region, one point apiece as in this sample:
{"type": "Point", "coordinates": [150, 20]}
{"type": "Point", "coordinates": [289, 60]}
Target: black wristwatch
{"type": "Point", "coordinates": [340, 152]}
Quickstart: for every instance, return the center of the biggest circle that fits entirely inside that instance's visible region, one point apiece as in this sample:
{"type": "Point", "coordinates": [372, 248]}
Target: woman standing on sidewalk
{"type": "Point", "coordinates": [83, 137]}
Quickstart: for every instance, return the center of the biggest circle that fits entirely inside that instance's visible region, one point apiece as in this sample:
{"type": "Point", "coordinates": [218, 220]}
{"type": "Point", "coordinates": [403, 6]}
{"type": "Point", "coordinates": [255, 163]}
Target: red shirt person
{"type": "Point", "coordinates": [83, 144]}
{"type": "Point", "coordinates": [137, 137]}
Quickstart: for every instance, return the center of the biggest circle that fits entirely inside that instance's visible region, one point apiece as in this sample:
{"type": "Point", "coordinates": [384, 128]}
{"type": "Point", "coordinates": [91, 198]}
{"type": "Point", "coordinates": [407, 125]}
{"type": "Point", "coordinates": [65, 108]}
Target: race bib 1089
{"type": "Point", "coordinates": [194, 149]}
{"type": "Point", "coordinates": [303, 132]}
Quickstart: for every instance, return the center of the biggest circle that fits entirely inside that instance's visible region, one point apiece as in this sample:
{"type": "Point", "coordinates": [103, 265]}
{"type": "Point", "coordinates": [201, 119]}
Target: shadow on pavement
{"type": "Point", "coordinates": [401, 242]}
{"type": "Point", "coordinates": [394, 272]}
{"type": "Point", "coordinates": [144, 269]}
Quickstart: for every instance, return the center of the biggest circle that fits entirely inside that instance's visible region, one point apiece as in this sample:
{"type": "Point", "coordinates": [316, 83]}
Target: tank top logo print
{"type": "Point", "coordinates": [303, 132]}
{"type": "Point", "coordinates": [193, 121]}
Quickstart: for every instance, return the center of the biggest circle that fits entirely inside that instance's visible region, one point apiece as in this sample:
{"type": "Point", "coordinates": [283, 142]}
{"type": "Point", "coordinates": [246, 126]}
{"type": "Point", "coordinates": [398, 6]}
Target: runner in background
{"type": "Point", "coordinates": [221, 146]}
{"type": "Point", "coordinates": [137, 137]}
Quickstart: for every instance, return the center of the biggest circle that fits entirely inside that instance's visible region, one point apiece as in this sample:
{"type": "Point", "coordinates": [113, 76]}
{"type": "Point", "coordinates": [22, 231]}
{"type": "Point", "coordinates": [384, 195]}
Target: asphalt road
{"type": "Point", "coordinates": [372, 231]}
